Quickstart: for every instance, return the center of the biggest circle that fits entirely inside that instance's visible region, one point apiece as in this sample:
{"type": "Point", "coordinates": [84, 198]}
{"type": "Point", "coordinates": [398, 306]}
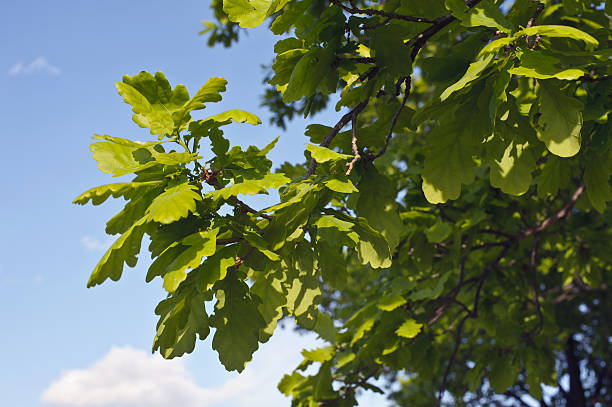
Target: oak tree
{"type": "Point", "coordinates": [450, 233]}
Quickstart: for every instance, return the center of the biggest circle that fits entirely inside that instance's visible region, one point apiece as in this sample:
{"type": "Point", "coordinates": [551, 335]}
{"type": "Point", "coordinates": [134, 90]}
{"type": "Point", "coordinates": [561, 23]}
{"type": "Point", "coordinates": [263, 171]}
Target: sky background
{"type": "Point", "coordinates": [61, 343]}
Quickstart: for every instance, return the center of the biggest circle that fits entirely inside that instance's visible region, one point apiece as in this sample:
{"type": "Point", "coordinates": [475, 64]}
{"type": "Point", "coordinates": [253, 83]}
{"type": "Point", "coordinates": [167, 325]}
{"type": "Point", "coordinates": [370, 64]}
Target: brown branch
{"type": "Point", "coordinates": [407, 81]}
{"type": "Point", "coordinates": [516, 397]}
{"type": "Point", "coordinates": [373, 12]}
{"type": "Point", "coordinates": [532, 42]}
{"type": "Point", "coordinates": [438, 25]}
{"type": "Point", "coordinates": [452, 359]}
{"type": "Point", "coordinates": [335, 130]}
{"type": "Point", "coordinates": [562, 213]}
{"type": "Point", "coordinates": [372, 27]}
{"type": "Point", "coordinates": [248, 209]}
{"type": "Point", "coordinates": [223, 242]}
{"type": "Point", "coordinates": [210, 176]}
{"type": "Point", "coordinates": [354, 146]}
{"type": "Point", "coordinates": [534, 283]}
{"type": "Point", "coordinates": [361, 60]}
{"type": "Point", "coordinates": [497, 233]}
{"type": "Point", "coordinates": [589, 78]}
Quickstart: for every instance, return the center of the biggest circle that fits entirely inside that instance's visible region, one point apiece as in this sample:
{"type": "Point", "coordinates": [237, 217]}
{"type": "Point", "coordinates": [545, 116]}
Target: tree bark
{"type": "Point", "coordinates": [575, 395]}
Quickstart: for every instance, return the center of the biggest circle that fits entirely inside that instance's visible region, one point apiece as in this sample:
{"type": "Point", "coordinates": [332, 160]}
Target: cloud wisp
{"type": "Point", "coordinates": [129, 377]}
{"type": "Point", "coordinates": [39, 65]}
{"type": "Point", "coordinates": [91, 243]}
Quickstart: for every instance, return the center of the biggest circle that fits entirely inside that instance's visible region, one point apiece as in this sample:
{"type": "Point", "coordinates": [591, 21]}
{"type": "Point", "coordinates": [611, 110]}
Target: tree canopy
{"type": "Point", "coordinates": [449, 234]}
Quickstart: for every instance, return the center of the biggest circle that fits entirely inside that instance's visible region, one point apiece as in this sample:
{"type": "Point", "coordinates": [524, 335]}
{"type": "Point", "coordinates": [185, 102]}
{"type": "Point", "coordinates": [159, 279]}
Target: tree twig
{"type": "Point", "coordinates": [534, 283]}
{"type": "Point", "coordinates": [407, 81]}
{"type": "Point", "coordinates": [438, 25]}
{"type": "Point", "coordinates": [354, 146]}
{"type": "Point", "coordinates": [562, 213]}
{"type": "Point", "coordinates": [335, 130]}
{"type": "Point", "coordinates": [452, 359]}
{"type": "Point", "coordinates": [373, 12]}
{"type": "Point", "coordinates": [532, 42]}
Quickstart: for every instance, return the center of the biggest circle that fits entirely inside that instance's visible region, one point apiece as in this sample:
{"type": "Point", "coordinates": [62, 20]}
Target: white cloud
{"type": "Point", "coordinates": [38, 65]}
{"type": "Point", "coordinates": [91, 243]}
{"type": "Point", "coordinates": [128, 377]}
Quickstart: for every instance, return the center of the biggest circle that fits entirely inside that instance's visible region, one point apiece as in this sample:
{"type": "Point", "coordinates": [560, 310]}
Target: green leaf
{"type": "Point", "coordinates": [502, 374]}
{"type": "Point", "coordinates": [132, 211]}
{"type": "Point", "coordinates": [555, 175]}
{"type": "Point", "coordinates": [237, 321]}
{"type": "Point", "coordinates": [238, 116]}
{"type": "Point", "coordinates": [155, 117]}
{"type": "Point", "coordinates": [210, 92]}
{"type": "Point", "coordinates": [391, 302]}
{"type": "Point", "coordinates": [289, 382]}
{"type": "Point", "coordinates": [390, 51]}
{"type": "Point", "coordinates": [302, 283]}
{"type": "Point", "coordinates": [536, 64]}
{"type": "Point", "coordinates": [284, 64]}
{"type": "Point", "coordinates": [438, 232]}
{"type": "Point", "coordinates": [100, 194]}
{"type": "Point", "coordinates": [121, 156]}
{"type": "Point", "coordinates": [309, 73]}
{"type": "Point", "coordinates": [251, 13]}
{"type": "Point", "coordinates": [320, 354]}
{"type": "Point", "coordinates": [560, 31]}
{"type": "Point", "coordinates": [331, 260]}
{"type": "Point", "coordinates": [409, 329]}
{"type": "Point", "coordinates": [324, 154]}
{"type": "Point", "coordinates": [175, 158]}
{"type": "Point", "coordinates": [324, 326]}
{"type": "Point", "coordinates": [323, 389]}
{"type": "Point", "coordinates": [486, 14]}
{"type": "Point", "coordinates": [181, 319]}
{"type": "Point", "coordinates": [362, 328]}
{"type": "Point", "coordinates": [560, 121]}
{"type": "Point", "coordinates": [377, 205]}
{"type": "Point", "coordinates": [250, 187]}
{"type": "Point", "coordinates": [512, 161]}
{"type": "Point", "coordinates": [200, 245]}
{"type": "Point", "coordinates": [175, 203]}
{"type": "Point", "coordinates": [473, 72]}
{"type": "Point", "coordinates": [273, 299]}
{"type": "Point", "coordinates": [330, 221]}
{"type": "Point", "coordinates": [123, 250]}
{"type": "Point", "coordinates": [373, 248]}
{"type": "Point", "coordinates": [216, 266]}
{"type": "Point", "coordinates": [448, 165]}
{"type": "Point", "coordinates": [343, 186]}
{"type": "Point", "coordinates": [512, 172]}
{"type": "Point", "coordinates": [596, 179]}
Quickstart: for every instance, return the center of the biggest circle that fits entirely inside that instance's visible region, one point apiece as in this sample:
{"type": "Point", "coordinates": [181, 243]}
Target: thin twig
{"type": "Point", "coordinates": [373, 12]}
{"type": "Point", "coordinates": [452, 358]}
{"type": "Point", "coordinates": [562, 213]}
{"type": "Point", "coordinates": [407, 81]}
{"type": "Point", "coordinates": [534, 283]}
{"type": "Point", "coordinates": [589, 78]}
{"type": "Point", "coordinates": [372, 27]}
{"type": "Point", "coordinates": [354, 146]}
{"type": "Point", "coordinates": [334, 131]}
{"type": "Point", "coordinates": [532, 42]}
{"type": "Point", "coordinates": [223, 242]}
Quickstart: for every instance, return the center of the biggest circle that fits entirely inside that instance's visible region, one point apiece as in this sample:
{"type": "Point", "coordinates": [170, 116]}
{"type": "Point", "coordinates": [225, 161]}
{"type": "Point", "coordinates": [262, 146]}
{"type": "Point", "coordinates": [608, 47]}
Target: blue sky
{"type": "Point", "coordinates": [58, 64]}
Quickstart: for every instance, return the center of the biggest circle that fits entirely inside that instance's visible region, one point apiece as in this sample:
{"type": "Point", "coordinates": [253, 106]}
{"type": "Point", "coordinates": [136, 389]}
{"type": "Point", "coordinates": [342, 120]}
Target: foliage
{"type": "Point", "coordinates": [454, 241]}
